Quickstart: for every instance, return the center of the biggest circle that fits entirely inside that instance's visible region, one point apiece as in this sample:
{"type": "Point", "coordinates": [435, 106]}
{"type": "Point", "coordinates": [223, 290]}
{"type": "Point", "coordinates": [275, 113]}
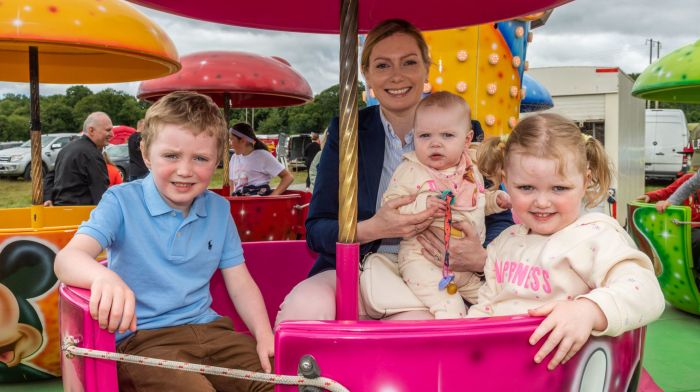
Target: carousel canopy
{"type": "Point", "coordinates": [82, 41]}
{"type": "Point", "coordinates": [323, 16]}
{"type": "Point", "coordinates": [537, 97]}
{"type": "Point", "coordinates": [675, 77]}
{"type": "Point", "coordinates": [249, 79]}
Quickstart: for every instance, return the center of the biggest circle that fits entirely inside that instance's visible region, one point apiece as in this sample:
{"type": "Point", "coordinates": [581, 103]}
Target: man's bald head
{"type": "Point", "coordinates": [98, 127]}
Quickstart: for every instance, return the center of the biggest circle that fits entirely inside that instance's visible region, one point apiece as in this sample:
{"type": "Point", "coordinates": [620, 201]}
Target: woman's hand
{"type": "Point", "coordinates": [388, 222]}
{"type": "Point", "coordinates": [466, 254]}
{"type": "Point", "coordinates": [569, 324]}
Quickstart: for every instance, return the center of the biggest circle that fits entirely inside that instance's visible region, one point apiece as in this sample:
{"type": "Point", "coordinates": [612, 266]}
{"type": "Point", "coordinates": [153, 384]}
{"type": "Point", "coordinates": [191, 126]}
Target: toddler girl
{"type": "Point", "coordinates": [581, 271]}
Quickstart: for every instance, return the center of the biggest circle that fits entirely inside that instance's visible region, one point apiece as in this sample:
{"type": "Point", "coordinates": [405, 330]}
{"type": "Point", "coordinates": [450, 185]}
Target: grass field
{"type": "Point", "coordinates": [18, 193]}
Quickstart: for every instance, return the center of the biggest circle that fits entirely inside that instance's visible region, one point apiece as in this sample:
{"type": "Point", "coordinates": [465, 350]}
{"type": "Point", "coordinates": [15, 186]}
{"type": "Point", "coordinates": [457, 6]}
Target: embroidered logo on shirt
{"type": "Point", "coordinates": [209, 245]}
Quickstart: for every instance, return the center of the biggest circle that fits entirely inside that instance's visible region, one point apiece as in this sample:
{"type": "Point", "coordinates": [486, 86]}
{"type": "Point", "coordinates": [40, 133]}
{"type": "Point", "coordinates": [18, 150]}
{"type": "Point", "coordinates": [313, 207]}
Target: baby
{"type": "Point", "coordinates": [439, 166]}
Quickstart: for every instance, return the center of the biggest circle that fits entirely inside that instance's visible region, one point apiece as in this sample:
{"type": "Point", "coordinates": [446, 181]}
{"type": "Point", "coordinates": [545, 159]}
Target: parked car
{"type": "Point", "coordinates": [666, 142]}
{"type": "Point", "coordinates": [16, 161]}
{"type": "Point", "coordinates": [6, 145]}
{"type": "Point", "coordinates": [119, 155]}
{"type": "Point", "coordinates": [295, 146]}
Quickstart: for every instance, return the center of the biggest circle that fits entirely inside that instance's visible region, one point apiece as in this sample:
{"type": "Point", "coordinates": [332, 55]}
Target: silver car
{"type": "Point", "coordinates": [16, 162]}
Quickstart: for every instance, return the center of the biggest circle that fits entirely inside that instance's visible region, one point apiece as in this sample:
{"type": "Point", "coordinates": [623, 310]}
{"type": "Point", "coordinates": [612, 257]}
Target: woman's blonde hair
{"type": "Point", "coordinates": [388, 28]}
{"type": "Point", "coordinates": [195, 112]}
{"type": "Point", "coordinates": [551, 136]}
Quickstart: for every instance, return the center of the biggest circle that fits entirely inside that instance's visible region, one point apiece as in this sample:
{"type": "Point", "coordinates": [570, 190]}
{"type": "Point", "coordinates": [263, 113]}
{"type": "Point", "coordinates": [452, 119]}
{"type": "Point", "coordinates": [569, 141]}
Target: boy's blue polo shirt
{"type": "Point", "coordinates": [165, 258]}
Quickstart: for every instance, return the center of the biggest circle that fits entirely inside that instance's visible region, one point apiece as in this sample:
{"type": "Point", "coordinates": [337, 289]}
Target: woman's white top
{"type": "Point", "coordinates": [256, 168]}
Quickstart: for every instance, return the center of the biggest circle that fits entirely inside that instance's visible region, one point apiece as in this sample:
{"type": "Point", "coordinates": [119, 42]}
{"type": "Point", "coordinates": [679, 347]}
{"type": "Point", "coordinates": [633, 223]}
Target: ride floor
{"type": "Point", "coordinates": [671, 357]}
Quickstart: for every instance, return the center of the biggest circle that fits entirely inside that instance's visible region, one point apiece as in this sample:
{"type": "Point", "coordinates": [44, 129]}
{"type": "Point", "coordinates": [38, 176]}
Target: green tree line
{"type": "Point", "coordinates": [66, 112]}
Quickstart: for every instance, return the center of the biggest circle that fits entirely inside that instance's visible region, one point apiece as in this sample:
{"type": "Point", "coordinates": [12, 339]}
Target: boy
{"type": "Point", "coordinates": [166, 235]}
{"type": "Point", "coordinates": [441, 163]}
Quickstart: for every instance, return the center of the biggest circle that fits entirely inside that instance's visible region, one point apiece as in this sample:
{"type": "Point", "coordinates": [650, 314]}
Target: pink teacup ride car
{"type": "Point", "coordinates": [368, 355]}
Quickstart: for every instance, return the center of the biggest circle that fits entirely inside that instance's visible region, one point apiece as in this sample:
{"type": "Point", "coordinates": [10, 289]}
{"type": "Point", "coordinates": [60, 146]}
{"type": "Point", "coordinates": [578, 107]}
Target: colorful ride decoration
{"type": "Point", "coordinates": [673, 78]}
{"type": "Point", "coordinates": [322, 16]}
{"type": "Point", "coordinates": [666, 239]}
{"type": "Point", "coordinates": [79, 41]}
{"type": "Point", "coordinates": [484, 64]}
{"type": "Point", "coordinates": [269, 218]}
{"type": "Point", "coordinates": [29, 343]}
{"type": "Point", "coordinates": [537, 97]}
{"type": "Point", "coordinates": [245, 80]}
{"type": "Point", "coordinates": [375, 355]}
{"type": "Point", "coordinates": [120, 134]}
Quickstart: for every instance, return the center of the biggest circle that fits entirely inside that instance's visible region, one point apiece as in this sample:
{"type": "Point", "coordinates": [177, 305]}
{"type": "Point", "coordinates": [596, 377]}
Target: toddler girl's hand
{"type": "Point", "coordinates": [643, 198]}
{"type": "Point", "coordinates": [569, 324]}
{"type": "Point", "coordinates": [266, 350]}
{"type": "Point", "coordinates": [503, 201]}
{"type": "Point", "coordinates": [662, 205]}
{"type": "Point", "coordinates": [112, 303]}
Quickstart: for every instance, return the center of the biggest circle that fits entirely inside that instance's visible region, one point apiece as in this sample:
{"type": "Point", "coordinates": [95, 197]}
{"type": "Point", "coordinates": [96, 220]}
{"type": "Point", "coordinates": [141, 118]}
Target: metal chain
{"type": "Point", "coordinates": [70, 348]}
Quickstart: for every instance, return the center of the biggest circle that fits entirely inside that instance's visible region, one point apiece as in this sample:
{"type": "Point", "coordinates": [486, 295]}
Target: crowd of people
{"type": "Point", "coordinates": [416, 166]}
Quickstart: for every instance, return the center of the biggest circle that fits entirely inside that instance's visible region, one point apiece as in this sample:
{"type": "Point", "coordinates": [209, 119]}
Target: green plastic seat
{"type": "Point", "coordinates": [667, 242]}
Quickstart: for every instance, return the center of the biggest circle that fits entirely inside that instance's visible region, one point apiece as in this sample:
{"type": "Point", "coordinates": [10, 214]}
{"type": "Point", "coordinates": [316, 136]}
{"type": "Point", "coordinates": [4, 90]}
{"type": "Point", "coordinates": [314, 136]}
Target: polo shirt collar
{"type": "Point", "coordinates": [157, 206]}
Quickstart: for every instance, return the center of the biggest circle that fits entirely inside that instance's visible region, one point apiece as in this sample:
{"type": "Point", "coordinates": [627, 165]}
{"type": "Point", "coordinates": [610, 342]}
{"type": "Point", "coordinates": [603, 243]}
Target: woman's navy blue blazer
{"type": "Point", "coordinates": [322, 221]}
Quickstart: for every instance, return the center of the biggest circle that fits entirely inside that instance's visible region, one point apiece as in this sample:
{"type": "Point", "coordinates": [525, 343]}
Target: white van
{"type": "Point", "coordinates": [666, 138]}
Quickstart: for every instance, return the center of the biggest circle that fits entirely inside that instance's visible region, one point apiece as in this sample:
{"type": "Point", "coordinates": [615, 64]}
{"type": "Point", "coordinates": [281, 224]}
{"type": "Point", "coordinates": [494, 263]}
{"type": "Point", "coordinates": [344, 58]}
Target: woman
{"type": "Point", "coordinates": [253, 166]}
{"type": "Point", "coordinates": [395, 63]}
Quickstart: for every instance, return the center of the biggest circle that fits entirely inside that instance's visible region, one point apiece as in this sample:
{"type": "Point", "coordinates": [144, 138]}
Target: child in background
{"type": "Point", "coordinates": [252, 166]}
{"type": "Point", "coordinates": [439, 164]}
{"type": "Point", "coordinates": [581, 271]}
{"type": "Point", "coordinates": [166, 235]}
{"type": "Point", "coordinates": [683, 191]}
{"type": "Point", "coordinates": [115, 176]}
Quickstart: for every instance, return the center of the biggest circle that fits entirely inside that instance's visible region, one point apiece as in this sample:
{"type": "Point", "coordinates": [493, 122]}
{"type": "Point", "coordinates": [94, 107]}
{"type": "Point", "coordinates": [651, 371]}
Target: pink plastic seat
{"type": "Point", "coordinates": [275, 266]}
{"type": "Point", "coordinates": [450, 355]}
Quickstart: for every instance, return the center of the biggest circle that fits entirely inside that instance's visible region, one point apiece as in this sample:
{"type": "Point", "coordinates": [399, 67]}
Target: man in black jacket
{"type": "Point", "coordinates": [80, 175]}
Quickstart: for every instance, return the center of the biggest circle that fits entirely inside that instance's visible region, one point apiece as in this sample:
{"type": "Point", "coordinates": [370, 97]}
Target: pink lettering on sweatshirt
{"type": "Point", "coordinates": [523, 275]}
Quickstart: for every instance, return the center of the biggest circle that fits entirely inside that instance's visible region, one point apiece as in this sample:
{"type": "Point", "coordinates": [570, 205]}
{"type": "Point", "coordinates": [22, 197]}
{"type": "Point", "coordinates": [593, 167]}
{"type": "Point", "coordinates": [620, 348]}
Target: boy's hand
{"type": "Point", "coordinates": [112, 303]}
{"type": "Point", "coordinates": [503, 200]}
{"type": "Point", "coordinates": [662, 205]}
{"type": "Point", "coordinates": [643, 198]}
{"type": "Point", "coordinates": [569, 324]}
{"type": "Point", "coordinates": [266, 350]}
{"type": "Point", "coordinates": [437, 203]}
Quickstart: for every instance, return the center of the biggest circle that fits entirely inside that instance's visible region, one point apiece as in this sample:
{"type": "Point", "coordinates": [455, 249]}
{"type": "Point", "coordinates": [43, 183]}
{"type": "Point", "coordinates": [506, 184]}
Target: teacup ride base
{"type": "Point", "coordinates": [666, 239]}
{"type": "Point", "coordinates": [368, 355]}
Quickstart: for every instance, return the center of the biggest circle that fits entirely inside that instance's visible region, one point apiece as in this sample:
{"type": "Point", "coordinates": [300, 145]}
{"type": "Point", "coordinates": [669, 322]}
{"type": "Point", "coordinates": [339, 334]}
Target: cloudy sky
{"type": "Point", "coordinates": [584, 32]}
